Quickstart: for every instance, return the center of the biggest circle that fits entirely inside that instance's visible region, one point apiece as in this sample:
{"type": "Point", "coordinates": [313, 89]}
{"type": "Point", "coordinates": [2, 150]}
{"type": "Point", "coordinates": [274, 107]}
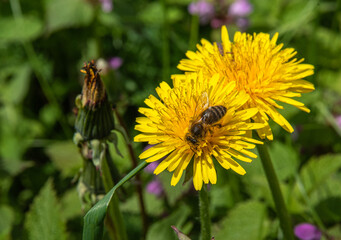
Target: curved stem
{"type": "Point", "coordinates": [204, 214]}
{"type": "Point", "coordinates": [284, 218]}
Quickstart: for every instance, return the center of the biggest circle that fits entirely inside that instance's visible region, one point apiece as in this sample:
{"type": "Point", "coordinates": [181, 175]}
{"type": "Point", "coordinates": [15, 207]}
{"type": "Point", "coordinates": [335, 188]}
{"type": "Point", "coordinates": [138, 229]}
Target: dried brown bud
{"type": "Point", "coordinates": [93, 93]}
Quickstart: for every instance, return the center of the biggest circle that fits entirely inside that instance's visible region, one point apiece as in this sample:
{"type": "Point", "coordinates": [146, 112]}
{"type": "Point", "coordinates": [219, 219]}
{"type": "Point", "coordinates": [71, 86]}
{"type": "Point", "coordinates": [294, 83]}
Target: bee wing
{"type": "Point", "coordinates": [205, 102]}
{"type": "Point", "coordinates": [202, 103]}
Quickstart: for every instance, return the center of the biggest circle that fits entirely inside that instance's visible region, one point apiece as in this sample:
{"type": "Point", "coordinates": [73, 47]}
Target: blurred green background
{"type": "Point", "coordinates": [138, 44]}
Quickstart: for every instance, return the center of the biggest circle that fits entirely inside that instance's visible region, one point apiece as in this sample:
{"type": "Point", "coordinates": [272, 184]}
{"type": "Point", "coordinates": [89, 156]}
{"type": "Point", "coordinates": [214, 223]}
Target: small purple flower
{"type": "Point", "coordinates": [155, 188]}
{"type": "Point", "coordinates": [107, 5]}
{"type": "Point", "coordinates": [205, 10]}
{"type": "Point", "coordinates": [338, 120]}
{"type": "Point", "coordinates": [307, 231]}
{"type": "Point", "coordinates": [240, 8]}
{"type": "Point", "coordinates": [115, 62]}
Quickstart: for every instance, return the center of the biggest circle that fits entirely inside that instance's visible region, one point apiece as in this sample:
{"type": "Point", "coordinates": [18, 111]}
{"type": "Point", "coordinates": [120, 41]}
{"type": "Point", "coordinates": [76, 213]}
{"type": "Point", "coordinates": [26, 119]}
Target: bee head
{"type": "Point", "coordinates": [191, 139]}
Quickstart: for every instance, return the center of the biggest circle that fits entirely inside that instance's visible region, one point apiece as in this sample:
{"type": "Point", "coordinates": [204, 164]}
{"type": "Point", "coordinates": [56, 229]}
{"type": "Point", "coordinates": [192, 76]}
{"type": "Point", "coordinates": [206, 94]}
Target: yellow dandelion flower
{"type": "Point", "coordinates": [199, 120]}
{"type": "Point", "coordinates": [260, 67]}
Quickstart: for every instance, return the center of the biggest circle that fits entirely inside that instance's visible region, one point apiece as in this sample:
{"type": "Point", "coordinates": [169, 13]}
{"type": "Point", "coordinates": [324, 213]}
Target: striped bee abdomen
{"type": "Point", "coordinates": [213, 114]}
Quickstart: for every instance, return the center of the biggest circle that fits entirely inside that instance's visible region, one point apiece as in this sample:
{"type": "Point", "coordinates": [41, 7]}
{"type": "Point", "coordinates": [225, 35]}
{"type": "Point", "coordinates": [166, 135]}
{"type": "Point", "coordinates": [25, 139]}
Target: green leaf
{"type": "Point", "coordinates": [12, 146]}
{"type": "Point", "coordinates": [65, 157]}
{"type": "Point", "coordinates": [162, 228]}
{"type": "Point", "coordinates": [153, 13]}
{"type": "Point", "coordinates": [24, 29]}
{"type": "Point", "coordinates": [67, 13]}
{"type": "Point", "coordinates": [70, 204]}
{"type": "Point", "coordinates": [93, 220]}
{"type": "Point", "coordinates": [6, 221]}
{"type": "Point", "coordinates": [221, 197]}
{"type": "Point", "coordinates": [245, 221]}
{"type": "Point", "coordinates": [153, 204]}
{"type": "Point", "coordinates": [119, 151]}
{"type": "Point", "coordinates": [285, 160]}
{"type": "Point", "coordinates": [43, 221]}
{"type": "Point", "coordinates": [329, 210]}
{"type": "Point", "coordinates": [318, 170]}
{"type": "Point", "coordinates": [17, 88]}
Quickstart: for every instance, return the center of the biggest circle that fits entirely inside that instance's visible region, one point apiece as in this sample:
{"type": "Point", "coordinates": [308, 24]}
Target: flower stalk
{"type": "Point", "coordinates": [205, 219]}
{"type": "Point", "coordinates": [94, 125]}
{"type": "Point", "coordinates": [283, 215]}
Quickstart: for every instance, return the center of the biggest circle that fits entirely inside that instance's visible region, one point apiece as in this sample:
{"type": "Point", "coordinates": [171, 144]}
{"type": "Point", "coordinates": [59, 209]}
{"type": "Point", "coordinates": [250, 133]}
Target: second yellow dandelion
{"type": "Point", "coordinates": [260, 67]}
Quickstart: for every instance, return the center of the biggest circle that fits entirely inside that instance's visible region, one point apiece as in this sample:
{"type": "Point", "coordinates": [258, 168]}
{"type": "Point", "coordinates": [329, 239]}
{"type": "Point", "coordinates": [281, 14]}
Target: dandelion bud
{"type": "Point", "coordinates": [94, 119]}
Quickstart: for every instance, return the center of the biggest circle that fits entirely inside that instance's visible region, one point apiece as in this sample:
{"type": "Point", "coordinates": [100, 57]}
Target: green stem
{"type": "Point", "coordinates": [204, 214]}
{"type": "Point", "coordinates": [193, 39]}
{"type": "Point", "coordinates": [114, 219]}
{"type": "Point", "coordinates": [284, 218]}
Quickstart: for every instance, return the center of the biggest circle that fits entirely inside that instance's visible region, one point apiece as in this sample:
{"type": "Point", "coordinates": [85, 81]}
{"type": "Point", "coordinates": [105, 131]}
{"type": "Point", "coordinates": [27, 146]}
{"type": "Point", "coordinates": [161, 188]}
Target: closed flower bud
{"type": "Point", "coordinates": [94, 119]}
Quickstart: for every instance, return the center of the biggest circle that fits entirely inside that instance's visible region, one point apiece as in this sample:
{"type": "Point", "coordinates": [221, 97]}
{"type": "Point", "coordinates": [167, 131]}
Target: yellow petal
{"type": "Point", "coordinates": [197, 174]}
{"type": "Point", "coordinates": [174, 156]}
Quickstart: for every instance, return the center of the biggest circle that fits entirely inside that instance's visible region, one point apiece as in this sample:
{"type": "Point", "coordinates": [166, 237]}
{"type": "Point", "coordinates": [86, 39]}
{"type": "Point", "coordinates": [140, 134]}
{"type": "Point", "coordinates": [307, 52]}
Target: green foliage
{"type": "Point", "coordinates": [162, 229]}
{"type": "Point", "coordinates": [77, 13]}
{"type": "Point", "coordinates": [65, 157]}
{"type": "Point", "coordinates": [23, 29]}
{"type": "Point", "coordinates": [70, 205]}
{"type": "Point", "coordinates": [43, 45]}
{"type": "Point", "coordinates": [285, 160]}
{"type": "Point", "coordinates": [318, 170]}
{"type": "Point", "coordinates": [6, 221]}
{"type": "Point", "coordinates": [44, 221]}
{"type": "Point", "coordinates": [245, 221]}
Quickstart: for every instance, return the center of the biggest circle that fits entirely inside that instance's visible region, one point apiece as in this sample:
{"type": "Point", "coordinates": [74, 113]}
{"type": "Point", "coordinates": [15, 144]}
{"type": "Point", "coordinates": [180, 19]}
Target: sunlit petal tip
{"type": "Point", "coordinates": [274, 38]}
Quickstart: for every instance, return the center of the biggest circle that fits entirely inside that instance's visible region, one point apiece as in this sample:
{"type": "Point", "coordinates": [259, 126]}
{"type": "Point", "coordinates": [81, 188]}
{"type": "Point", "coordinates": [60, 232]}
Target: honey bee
{"type": "Point", "coordinates": [204, 121]}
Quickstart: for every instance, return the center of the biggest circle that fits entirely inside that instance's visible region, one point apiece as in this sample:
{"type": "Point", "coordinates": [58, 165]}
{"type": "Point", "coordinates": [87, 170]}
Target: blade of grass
{"type": "Point", "coordinates": [94, 219]}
